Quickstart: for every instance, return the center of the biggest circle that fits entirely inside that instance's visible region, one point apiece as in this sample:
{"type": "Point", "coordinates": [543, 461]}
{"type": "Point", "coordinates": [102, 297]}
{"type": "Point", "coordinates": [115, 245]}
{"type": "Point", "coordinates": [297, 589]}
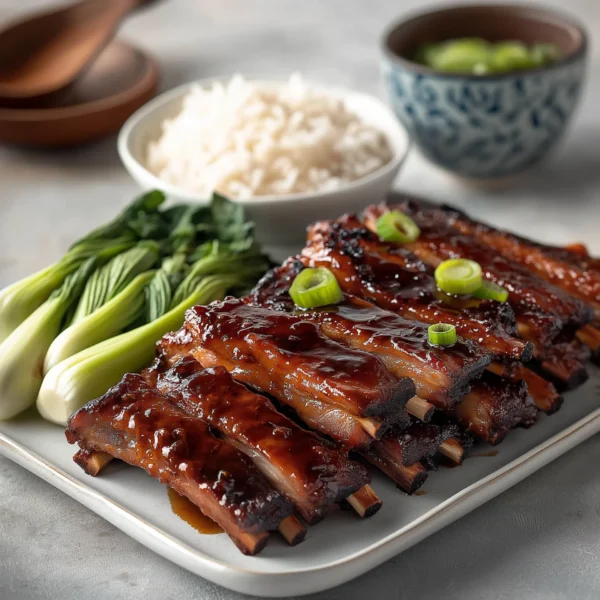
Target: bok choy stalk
{"type": "Point", "coordinates": [22, 352]}
{"type": "Point", "coordinates": [88, 374]}
{"type": "Point", "coordinates": [159, 293]}
{"type": "Point", "coordinates": [109, 320]}
{"type": "Point", "coordinates": [216, 257]}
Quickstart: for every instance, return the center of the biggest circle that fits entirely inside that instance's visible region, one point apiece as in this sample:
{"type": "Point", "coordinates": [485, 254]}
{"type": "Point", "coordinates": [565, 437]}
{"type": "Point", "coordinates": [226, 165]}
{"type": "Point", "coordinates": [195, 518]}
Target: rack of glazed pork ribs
{"type": "Point", "coordinates": [265, 415]}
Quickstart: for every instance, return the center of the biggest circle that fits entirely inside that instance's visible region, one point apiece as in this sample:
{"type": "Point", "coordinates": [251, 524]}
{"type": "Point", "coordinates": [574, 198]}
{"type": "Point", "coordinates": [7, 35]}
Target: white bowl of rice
{"type": "Point", "coordinates": [291, 152]}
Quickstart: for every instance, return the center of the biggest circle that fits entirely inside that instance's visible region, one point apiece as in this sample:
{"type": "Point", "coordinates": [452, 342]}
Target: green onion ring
{"type": "Point", "coordinates": [315, 287]}
{"type": "Point", "coordinates": [395, 226]}
{"type": "Point", "coordinates": [458, 276]}
{"type": "Point", "coordinates": [441, 334]}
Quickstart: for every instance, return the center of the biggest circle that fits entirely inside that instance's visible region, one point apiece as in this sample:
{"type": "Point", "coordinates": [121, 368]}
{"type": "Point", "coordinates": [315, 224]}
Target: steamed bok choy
{"type": "Point", "coordinates": [112, 299]}
{"type": "Point", "coordinates": [97, 314]}
{"type": "Point", "coordinates": [88, 374]}
{"type": "Point", "coordinates": [22, 352]}
{"type": "Point", "coordinates": [20, 299]}
{"type": "Point", "coordinates": [104, 323]}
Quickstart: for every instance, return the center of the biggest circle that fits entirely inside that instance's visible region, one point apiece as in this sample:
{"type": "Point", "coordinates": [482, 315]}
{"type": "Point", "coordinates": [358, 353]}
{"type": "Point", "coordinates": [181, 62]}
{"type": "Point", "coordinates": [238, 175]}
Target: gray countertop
{"type": "Point", "coordinates": [539, 540]}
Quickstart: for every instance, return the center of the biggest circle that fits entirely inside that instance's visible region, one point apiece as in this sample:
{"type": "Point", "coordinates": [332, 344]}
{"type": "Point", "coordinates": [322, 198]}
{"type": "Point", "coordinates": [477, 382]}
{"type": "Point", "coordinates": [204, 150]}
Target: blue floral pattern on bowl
{"type": "Point", "coordinates": [485, 127]}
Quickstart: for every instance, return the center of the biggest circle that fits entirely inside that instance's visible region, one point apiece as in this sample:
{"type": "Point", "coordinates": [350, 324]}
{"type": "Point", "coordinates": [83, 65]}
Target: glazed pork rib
{"type": "Point", "coordinates": [312, 475]}
{"type": "Point", "coordinates": [489, 409]}
{"type": "Point", "coordinates": [344, 393]}
{"type": "Point", "coordinates": [494, 406]}
{"type": "Point", "coordinates": [590, 336]}
{"type": "Point", "coordinates": [396, 280]}
{"type": "Point", "coordinates": [542, 309]}
{"type": "Point", "coordinates": [565, 362]}
{"type": "Point", "coordinates": [441, 377]}
{"type": "Point", "coordinates": [139, 425]}
{"type": "Point", "coordinates": [570, 268]}
{"type": "Point", "coordinates": [420, 440]}
{"type": "Point", "coordinates": [178, 348]}
{"type": "Point", "coordinates": [408, 455]}
{"type": "Point", "coordinates": [543, 393]}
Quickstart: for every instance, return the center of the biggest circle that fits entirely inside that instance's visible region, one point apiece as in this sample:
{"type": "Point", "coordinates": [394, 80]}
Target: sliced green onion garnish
{"type": "Point", "coordinates": [315, 287]}
{"type": "Point", "coordinates": [491, 291]}
{"type": "Point", "coordinates": [442, 334]}
{"type": "Point", "coordinates": [395, 226]}
{"type": "Point", "coordinates": [458, 276]}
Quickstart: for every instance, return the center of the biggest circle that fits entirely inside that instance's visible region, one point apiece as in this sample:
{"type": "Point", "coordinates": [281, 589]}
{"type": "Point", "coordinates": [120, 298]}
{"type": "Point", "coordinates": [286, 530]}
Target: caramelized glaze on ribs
{"type": "Point", "coordinates": [487, 410]}
{"type": "Point", "coordinates": [407, 455]}
{"type": "Point", "coordinates": [570, 268]}
{"type": "Point", "coordinates": [440, 376]}
{"type": "Point", "coordinates": [396, 280]}
{"type": "Point", "coordinates": [417, 441]}
{"type": "Point", "coordinates": [543, 393]}
{"type": "Point", "coordinates": [546, 308]}
{"type": "Point", "coordinates": [339, 391]}
{"type": "Point", "coordinates": [494, 406]}
{"type": "Point", "coordinates": [139, 425]}
{"type": "Point", "coordinates": [564, 362]}
{"type": "Point", "coordinates": [296, 462]}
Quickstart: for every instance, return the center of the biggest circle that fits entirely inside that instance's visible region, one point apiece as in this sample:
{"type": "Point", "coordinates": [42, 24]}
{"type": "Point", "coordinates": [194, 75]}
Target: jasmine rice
{"type": "Point", "coordinates": [245, 139]}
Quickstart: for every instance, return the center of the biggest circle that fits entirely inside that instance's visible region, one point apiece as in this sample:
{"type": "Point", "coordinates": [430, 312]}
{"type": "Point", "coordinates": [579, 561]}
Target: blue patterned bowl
{"type": "Point", "coordinates": [492, 125]}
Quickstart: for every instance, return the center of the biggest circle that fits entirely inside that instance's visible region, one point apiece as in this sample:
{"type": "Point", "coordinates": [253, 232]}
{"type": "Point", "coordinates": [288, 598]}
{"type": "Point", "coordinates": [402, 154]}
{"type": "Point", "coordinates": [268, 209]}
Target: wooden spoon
{"type": "Point", "coordinates": [44, 54]}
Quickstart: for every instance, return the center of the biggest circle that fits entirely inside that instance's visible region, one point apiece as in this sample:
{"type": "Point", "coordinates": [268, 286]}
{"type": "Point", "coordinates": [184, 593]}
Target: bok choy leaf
{"type": "Point", "coordinates": [19, 300]}
{"type": "Point", "coordinates": [110, 280]}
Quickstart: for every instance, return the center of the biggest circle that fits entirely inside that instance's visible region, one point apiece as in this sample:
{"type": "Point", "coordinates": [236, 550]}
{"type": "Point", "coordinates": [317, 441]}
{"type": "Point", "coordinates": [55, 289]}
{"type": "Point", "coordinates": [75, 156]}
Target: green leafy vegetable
{"type": "Point", "coordinates": [117, 300]}
{"type": "Point", "coordinates": [220, 258]}
{"type": "Point", "coordinates": [140, 220]}
{"type": "Point", "coordinates": [102, 324]}
{"type": "Point", "coordinates": [229, 220]}
{"type": "Point", "coordinates": [188, 226]}
{"type": "Point", "coordinates": [112, 279]}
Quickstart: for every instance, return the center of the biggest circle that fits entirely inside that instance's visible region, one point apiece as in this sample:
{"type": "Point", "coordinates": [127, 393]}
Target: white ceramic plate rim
{"type": "Point", "coordinates": [255, 582]}
{"type": "Point", "coordinates": [398, 137]}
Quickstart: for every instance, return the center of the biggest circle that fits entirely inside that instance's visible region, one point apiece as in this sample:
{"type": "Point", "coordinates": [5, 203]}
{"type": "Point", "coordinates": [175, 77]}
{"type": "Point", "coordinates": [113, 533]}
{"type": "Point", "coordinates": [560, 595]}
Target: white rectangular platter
{"type": "Point", "coordinates": [338, 549]}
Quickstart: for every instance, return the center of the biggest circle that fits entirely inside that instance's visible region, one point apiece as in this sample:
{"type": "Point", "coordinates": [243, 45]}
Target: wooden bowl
{"type": "Point", "coordinates": [120, 81]}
